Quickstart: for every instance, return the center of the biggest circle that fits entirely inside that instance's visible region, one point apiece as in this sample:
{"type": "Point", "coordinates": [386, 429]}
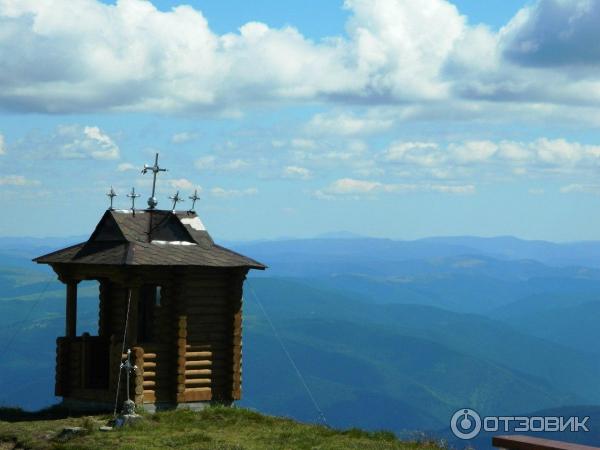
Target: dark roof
{"type": "Point", "coordinates": [150, 237]}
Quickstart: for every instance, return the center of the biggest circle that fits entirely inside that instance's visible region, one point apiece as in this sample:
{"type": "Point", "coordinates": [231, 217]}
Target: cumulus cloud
{"type": "Point", "coordinates": [126, 167]}
{"type": "Point", "coordinates": [540, 153]}
{"type": "Point", "coordinates": [212, 163]}
{"type": "Point", "coordinates": [17, 180]}
{"type": "Point", "coordinates": [301, 173]}
{"type": "Point", "coordinates": [349, 187]}
{"type": "Point", "coordinates": [580, 188]}
{"type": "Point", "coordinates": [554, 33]}
{"type": "Point", "coordinates": [2, 145]}
{"type": "Point", "coordinates": [73, 141]}
{"type": "Point", "coordinates": [347, 125]}
{"type": "Point", "coordinates": [183, 137]}
{"type": "Point", "coordinates": [182, 184]}
{"type": "Point", "coordinates": [69, 142]}
{"type": "Point", "coordinates": [84, 55]}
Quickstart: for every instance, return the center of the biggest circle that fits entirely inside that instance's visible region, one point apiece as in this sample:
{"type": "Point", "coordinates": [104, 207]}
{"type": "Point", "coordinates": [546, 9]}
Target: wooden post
{"type": "Point", "coordinates": [176, 303]}
{"type": "Point", "coordinates": [71, 312]}
{"type": "Point", "coordinates": [104, 309]}
{"type": "Point", "coordinates": [138, 376]}
{"type": "Point", "coordinates": [61, 388]}
{"type": "Point", "coordinates": [237, 282]}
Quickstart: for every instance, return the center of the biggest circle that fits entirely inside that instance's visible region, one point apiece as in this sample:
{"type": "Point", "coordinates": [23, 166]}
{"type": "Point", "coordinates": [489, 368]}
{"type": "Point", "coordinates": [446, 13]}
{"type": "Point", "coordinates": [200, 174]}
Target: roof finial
{"type": "Point", "coordinates": [193, 198]}
{"type": "Point", "coordinates": [111, 194]}
{"type": "Point", "coordinates": [152, 202]}
{"type": "Point", "coordinates": [132, 195]}
{"type": "Point", "coordinates": [176, 199]}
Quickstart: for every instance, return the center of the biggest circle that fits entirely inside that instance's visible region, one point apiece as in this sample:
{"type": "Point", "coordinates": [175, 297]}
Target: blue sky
{"type": "Point", "coordinates": [388, 118]}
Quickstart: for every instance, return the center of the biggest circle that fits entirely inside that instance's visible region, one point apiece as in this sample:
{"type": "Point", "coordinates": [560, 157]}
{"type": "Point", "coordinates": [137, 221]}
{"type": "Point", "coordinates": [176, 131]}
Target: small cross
{"type": "Point", "coordinates": [176, 199]}
{"type": "Point", "coordinates": [193, 198]}
{"type": "Point", "coordinates": [112, 194]}
{"type": "Point", "coordinates": [129, 367]}
{"type": "Point", "coordinates": [152, 202]}
{"type": "Point", "coordinates": [132, 195]}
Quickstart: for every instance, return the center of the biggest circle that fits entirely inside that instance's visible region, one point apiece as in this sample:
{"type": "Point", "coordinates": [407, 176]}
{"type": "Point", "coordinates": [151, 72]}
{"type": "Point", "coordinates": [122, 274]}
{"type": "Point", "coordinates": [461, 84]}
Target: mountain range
{"type": "Point", "coordinates": [383, 333]}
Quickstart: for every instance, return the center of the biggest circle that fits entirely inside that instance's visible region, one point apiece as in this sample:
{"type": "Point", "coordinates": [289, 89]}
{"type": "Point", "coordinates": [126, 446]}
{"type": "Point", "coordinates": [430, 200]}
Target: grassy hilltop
{"type": "Point", "coordinates": [213, 428]}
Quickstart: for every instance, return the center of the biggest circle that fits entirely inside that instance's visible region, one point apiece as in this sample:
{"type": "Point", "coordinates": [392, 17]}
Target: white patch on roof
{"type": "Point", "coordinates": [173, 243]}
{"type": "Point", "coordinates": [195, 223]}
{"type": "Point", "coordinates": [127, 211]}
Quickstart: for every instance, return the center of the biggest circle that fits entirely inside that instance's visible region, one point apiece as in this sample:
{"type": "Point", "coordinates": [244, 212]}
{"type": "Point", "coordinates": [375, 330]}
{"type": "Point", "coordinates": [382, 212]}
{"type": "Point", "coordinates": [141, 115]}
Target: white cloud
{"type": "Point", "coordinates": [212, 163]}
{"type": "Point", "coordinates": [231, 193]}
{"type": "Point", "coordinates": [346, 186]}
{"type": "Point", "coordinates": [69, 142]}
{"type": "Point", "coordinates": [301, 143]}
{"type": "Point", "coordinates": [205, 162]}
{"type": "Point", "coordinates": [73, 141]}
{"type": "Point", "coordinates": [17, 180]}
{"type": "Point", "coordinates": [347, 125]}
{"type": "Point", "coordinates": [540, 154]}
{"type": "Point", "coordinates": [350, 187]}
{"type": "Point", "coordinates": [416, 153]}
{"type": "Point", "coordinates": [580, 188]}
{"type": "Point", "coordinates": [298, 172]}
{"type": "Point", "coordinates": [183, 184]}
{"type": "Point", "coordinates": [554, 33]}
{"type": "Point", "coordinates": [2, 145]}
{"type": "Point", "coordinates": [183, 137]}
{"type": "Point", "coordinates": [126, 167]}
{"type": "Point", "coordinates": [415, 57]}
{"type": "Point", "coordinates": [474, 151]}
{"type": "Point", "coordinates": [559, 151]}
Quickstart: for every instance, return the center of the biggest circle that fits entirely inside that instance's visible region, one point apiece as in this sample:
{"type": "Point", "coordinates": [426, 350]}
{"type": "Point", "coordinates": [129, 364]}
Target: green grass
{"type": "Point", "coordinates": [214, 428]}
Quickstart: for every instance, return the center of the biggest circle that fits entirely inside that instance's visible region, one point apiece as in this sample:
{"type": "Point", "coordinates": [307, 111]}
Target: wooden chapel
{"type": "Point", "coordinates": [167, 292]}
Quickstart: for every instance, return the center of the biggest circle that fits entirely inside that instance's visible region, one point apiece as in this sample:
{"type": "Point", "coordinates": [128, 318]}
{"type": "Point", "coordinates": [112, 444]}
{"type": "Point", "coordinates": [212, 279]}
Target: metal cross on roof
{"type": "Point", "coordinates": [152, 202]}
{"type": "Point", "coordinates": [176, 199]}
{"type": "Point", "coordinates": [132, 195]}
{"type": "Point", "coordinates": [111, 194]}
{"type": "Point", "coordinates": [193, 198]}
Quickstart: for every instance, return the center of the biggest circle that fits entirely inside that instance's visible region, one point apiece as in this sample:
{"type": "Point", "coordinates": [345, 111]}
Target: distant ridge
{"type": "Point", "coordinates": [341, 235]}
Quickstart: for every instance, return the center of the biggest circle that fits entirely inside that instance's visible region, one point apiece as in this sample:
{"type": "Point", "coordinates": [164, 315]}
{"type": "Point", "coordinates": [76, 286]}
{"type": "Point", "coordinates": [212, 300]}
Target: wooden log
{"type": "Point", "coordinates": [195, 372]}
{"type": "Point", "coordinates": [198, 363]}
{"type": "Point", "coordinates": [197, 395]}
{"type": "Point", "coordinates": [198, 381]}
{"type": "Point", "coordinates": [195, 355]}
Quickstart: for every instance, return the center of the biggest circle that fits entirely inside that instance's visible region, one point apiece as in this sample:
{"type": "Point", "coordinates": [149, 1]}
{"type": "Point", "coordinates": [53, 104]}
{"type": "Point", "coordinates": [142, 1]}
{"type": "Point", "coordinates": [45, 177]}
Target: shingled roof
{"type": "Point", "coordinates": [150, 237]}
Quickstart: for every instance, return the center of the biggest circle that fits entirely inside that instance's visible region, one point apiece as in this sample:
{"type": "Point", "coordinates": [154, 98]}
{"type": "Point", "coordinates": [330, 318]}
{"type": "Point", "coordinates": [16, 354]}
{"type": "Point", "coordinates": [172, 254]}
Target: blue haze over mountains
{"type": "Point", "coordinates": [388, 334]}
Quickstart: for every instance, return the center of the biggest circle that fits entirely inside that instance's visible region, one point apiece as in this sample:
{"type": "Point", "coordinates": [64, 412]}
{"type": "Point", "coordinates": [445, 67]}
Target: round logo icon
{"type": "Point", "coordinates": [465, 423]}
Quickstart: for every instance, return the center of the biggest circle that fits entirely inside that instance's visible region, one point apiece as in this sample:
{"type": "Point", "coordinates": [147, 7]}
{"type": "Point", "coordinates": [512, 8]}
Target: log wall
{"type": "Point", "coordinates": [196, 349]}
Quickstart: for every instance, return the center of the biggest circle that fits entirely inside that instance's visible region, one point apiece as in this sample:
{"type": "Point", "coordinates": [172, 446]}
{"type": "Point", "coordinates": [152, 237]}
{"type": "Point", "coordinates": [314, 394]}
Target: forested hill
{"type": "Point", "coordinates": [387, 334]}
